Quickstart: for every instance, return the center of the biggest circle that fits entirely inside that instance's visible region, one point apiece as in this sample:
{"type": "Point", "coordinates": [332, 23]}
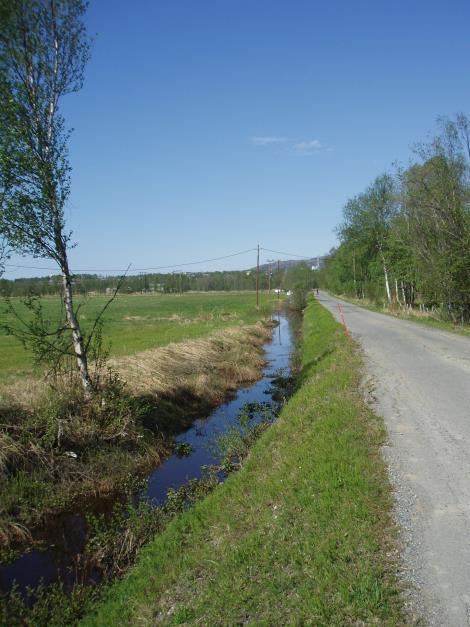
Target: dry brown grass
{"type": "Point", "coordinates": [13, 532]}
{"type": "Point", "coordinates": [9, 451]}
{"type": "Point", "coordinates": [208, 367]}
{"type": "Point", "coordinates": [412, 313]}
{"type": "Point", "coordinates": [223, 361]}
{"type": "Point", "coordinates": [205, 316]}
{"type": "Point", "coordinates": [23, 392]}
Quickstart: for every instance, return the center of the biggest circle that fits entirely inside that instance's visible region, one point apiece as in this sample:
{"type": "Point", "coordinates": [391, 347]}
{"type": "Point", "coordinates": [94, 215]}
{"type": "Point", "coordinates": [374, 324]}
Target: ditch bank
{"type": "Point", "coordinates": [59, 454]}
{"type": "Point", "coordinates": [194, 452]}
{"type": "Point", "coordinates": [302, 534]}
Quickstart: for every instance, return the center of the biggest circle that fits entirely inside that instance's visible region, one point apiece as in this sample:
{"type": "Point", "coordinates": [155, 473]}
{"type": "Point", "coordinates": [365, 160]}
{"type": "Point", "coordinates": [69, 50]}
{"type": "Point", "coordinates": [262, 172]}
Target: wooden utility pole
{"type": "Point", "coordinates": [257, 278]}
{"type": "Point", "coordinates": [278, 281]}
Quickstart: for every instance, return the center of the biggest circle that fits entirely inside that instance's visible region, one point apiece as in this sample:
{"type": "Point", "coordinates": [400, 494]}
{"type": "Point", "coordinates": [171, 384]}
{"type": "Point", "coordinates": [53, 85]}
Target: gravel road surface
{"type": "Point", "coordinates": [421, 379]}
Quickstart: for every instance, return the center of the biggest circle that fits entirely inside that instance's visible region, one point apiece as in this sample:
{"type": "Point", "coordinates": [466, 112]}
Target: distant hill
{"type": "Point", "coordinates": [315, 263]}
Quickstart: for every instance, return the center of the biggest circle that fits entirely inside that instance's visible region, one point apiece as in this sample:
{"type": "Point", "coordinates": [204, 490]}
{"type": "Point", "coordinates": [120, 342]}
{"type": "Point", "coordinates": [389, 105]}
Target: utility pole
{"type": "Point", "coordinates": [278, 281]}
{"type": "Point", "coordinates": [257, 278]}
{"type": "Point", "coordinates": [270, 272]}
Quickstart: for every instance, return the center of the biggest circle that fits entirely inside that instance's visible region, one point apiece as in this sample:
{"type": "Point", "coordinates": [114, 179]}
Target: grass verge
{"type": "Point", "coordinates": [301, 535]}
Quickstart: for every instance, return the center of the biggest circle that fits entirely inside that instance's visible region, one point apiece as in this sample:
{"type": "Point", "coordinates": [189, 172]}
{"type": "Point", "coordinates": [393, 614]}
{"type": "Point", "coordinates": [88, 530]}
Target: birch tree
{"type": "Point", "coordinates": [381, 203]}
{"type": "Point", "coordinates": [43, 53]}
{"type": "Point", "coordinates": [411, 233]}
{"type": "Point", "coordinates": [366, 226]}
{"type": "Point", "coordinates": [436, 203]}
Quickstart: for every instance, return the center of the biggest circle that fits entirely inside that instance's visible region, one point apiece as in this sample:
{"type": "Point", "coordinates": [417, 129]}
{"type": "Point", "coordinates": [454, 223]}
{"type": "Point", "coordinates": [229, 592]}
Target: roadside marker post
{"type": "Point", "coordinates": [343, 321]}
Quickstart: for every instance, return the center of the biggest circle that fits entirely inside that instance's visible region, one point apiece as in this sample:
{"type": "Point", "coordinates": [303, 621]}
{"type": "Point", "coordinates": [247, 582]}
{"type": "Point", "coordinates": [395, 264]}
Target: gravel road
{"type": "Point", "coordinates": [421, 380]}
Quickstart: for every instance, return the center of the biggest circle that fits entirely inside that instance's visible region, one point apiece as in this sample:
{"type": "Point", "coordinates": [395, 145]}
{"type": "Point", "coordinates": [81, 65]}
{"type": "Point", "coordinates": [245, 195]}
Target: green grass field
{"type": "Point", "coordinates": [302, 535]}
{"type": "Point", "coordinates": [142, 321]}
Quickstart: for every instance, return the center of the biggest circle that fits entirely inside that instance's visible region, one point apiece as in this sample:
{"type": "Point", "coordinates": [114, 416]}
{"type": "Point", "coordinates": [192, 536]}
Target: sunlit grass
{"type": "Point", "coordinates": [142, 321]}
{"type": "Point", "coordinates": [301, 535]}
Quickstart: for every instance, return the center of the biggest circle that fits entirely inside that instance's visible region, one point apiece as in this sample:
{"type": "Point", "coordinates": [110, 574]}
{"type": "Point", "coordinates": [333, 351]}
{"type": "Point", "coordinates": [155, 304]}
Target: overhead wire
{"type": "Point", "coordinates": [193, 263]}
{"type": "Point", "coordinates": [148, 269]}
{"type": "Point", "coordinates": [278, 252]}
{"type": "Point", "coordinates": [161, 267]}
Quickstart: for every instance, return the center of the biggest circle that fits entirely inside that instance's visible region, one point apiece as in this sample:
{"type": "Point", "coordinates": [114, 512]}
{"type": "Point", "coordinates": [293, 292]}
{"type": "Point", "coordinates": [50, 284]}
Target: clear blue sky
{"type": "Point", "coordinates": [208, 126]}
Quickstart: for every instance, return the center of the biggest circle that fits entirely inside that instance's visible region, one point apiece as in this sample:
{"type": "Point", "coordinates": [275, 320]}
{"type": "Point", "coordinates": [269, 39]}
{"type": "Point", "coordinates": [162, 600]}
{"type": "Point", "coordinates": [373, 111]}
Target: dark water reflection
{"type": "Point", "coordinates": [67, 535]}
{"type": "Point", "coordinates": [176, 471]}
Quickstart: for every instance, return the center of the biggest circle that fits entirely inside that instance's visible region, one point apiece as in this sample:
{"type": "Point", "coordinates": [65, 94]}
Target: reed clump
{"type": "Point", "coordinates": [207, 367]}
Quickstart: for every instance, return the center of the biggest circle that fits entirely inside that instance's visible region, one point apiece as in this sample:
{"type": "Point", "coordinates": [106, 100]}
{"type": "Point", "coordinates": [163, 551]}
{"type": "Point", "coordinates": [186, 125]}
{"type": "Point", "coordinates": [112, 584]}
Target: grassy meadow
{"type": "Point", "coordinates": [301, 535]}
{"type": "Point", "coordinates": [137, 322]}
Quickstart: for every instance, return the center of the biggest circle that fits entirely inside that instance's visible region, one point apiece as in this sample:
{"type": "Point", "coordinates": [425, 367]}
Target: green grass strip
{"type": "Point", "coordinates": [301, 535]}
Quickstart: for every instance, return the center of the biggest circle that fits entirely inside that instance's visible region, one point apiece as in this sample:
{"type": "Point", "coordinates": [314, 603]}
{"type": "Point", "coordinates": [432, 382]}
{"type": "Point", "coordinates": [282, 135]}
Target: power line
{"type": "Point", "coordinates": [175, 265]}
{"type": "Point", "coordinates": [15, 265]}
{"type": "Point", "coordinates": [278, 252]}
{"type": "Point", "coordinates": [163, 267]}
{"type": "Point", "coordinates": [193, 263]}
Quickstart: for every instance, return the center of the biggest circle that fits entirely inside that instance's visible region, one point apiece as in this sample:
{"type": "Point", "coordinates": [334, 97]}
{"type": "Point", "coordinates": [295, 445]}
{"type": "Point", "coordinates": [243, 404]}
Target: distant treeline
{"type": "Point", "coordinates": [285, 279]}
{"type": "Point", "coordinates": [405, 240]}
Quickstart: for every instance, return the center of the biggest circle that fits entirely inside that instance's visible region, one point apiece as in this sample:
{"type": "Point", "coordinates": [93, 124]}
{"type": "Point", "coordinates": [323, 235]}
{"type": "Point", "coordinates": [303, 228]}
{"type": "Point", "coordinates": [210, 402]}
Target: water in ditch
{"type": "Point", "coordinates": [68, 534]}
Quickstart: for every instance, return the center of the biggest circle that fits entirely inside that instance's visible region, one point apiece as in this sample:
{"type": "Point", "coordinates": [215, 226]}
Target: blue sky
{"type": "Point", "coordinates": [206, 127]}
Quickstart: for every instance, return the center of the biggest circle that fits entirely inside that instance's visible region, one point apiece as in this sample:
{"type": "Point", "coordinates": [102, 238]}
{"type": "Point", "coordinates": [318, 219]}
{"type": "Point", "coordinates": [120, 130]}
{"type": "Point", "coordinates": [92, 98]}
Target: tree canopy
{"type": "Point", "coordinates": [407, 236]}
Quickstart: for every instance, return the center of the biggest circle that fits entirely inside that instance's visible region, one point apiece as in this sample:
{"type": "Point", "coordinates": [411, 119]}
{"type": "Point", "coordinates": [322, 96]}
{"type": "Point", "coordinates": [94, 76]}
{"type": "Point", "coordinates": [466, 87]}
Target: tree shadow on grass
{"type": "Point", "coordinates": [310, 366]}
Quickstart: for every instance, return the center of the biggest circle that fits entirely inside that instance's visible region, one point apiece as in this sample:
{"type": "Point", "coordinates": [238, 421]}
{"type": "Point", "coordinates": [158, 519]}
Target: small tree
{"type": "Point", "coordinates": [299, 297]}
{"type": "Point", "coordinates": [43, 53]}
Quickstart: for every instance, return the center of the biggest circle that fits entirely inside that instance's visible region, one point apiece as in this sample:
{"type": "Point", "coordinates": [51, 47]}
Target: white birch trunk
{"type": "Point", "coordinates": [387, 285]}
{"type": "Point", "coordinates": [78, 344]}
{"type": "Point", "coordinates": [397, 292]}
{"type": "Point", "coordinates": [354, 274]}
